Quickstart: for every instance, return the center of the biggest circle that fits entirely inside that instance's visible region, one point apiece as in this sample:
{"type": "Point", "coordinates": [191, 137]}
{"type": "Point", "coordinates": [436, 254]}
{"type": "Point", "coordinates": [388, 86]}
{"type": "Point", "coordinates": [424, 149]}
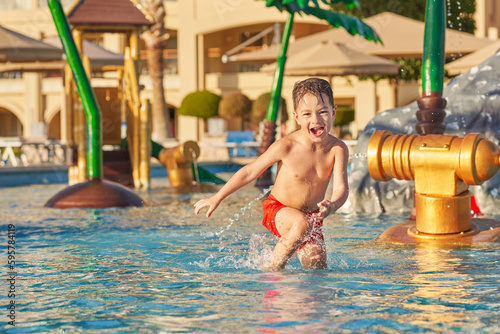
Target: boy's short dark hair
{"type": "Point", "coordinates": [315, 86]}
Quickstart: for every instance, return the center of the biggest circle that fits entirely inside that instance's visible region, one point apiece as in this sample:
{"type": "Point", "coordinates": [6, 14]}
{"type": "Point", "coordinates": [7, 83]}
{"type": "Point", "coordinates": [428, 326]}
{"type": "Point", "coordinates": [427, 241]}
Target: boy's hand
{"type": "Point", "coordinates": [326, 208]}
{"type": "Point", "coordinates": [211, 202]}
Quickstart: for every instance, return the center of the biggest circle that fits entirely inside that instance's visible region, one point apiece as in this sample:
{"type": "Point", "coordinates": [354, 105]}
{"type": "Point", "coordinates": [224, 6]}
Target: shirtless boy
{"type": "Point", "coordinates": [296, 206]}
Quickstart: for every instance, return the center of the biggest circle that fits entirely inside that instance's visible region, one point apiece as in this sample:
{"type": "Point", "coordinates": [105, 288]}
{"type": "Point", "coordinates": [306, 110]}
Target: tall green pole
{"type": "Point", "coordinates": [434, 53]}
{"type": "Point", "coordinates": [269, 131]}
{"type": "Point", "coordinates": [431, 114]}
{"type": "Point", "coordinates": [90, 106]}
{"type": "Point", "coordinates": [275, 99]}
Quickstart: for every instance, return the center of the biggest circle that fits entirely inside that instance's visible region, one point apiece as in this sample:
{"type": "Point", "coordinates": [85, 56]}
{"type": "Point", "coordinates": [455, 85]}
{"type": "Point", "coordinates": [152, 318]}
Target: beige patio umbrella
{"type": "Point", "coordinates": [16, 47]}
{"type": "Point", "coordinates": [402, 37]}
{"type": "Point", "coordinates": [465, 63]}
{"type": "Point", "coordinates": [328, 58]}
{"type": "Point", "coordinates": [21, 53]}
{"type": "Point", "coordinates": [98, 56]}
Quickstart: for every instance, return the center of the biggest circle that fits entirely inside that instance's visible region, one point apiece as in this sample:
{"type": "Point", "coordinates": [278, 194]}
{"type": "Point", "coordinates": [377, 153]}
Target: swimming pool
{"type": "Point", "coordinates": [160, 268]}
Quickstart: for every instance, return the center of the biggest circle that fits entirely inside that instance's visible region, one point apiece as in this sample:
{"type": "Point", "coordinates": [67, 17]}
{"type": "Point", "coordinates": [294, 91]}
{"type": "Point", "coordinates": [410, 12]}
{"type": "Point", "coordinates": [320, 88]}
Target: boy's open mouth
{"type": "Point", "coordinates": [318, 131]}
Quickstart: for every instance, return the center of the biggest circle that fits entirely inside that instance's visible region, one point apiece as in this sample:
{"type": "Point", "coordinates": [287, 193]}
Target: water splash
{"type": "Point", "coordinates": [238, 257]}
{"type": "Point", "coordinates": [246, 208]}
{"type": "Point", "coordinates": [203, 264]}
{"type": "Point", "coordinates": [464, 126]}
{"type": "Point", "coordinates": [451, 24]}
{"type": "Point", "coordinates": [357, 156]}
{"type": "Point", "coordinates": [258, 253]}
{"type": "Point", "coordinates": [195, 163]}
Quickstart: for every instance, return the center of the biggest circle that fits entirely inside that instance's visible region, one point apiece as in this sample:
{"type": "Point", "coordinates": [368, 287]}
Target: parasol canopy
{"type": "Point", "coordinates": [465, 63]}
{"type": "Point", "coordinates": [401, 37]}
{"type": "Point", "coordinates": [328, 58]}
{"type": "Point", "coordinates": [98, 56]}
{"type": "Point", "coordinates": [16, 47]}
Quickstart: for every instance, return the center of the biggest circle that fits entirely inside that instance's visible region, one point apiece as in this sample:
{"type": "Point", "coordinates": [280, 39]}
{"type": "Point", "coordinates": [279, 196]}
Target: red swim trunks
{"type": "Point", "coordinates": [270, 208]}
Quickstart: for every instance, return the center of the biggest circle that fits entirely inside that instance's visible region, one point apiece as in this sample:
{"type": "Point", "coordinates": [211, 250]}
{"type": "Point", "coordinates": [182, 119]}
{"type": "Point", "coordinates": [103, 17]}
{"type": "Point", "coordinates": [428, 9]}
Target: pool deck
{"type": "Point", "coordinates": [58, 174]}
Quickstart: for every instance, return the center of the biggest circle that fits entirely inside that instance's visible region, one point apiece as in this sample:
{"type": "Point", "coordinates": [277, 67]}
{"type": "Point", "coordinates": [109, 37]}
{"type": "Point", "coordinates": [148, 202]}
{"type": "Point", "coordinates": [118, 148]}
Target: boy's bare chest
{"type": "Point", "coordinates": [311, 168]}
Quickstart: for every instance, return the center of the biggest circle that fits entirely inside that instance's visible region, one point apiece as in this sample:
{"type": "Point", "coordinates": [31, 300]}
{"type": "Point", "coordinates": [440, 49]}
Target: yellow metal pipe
{"type": "Point", "coordinates": [81, 133]}
{"type": "Point", "coordinates": [132, 92]}
{"type": "Point", "coordinates": [72, 121]}
{"type": "Point", "coordinates": [145, 145]}
{"type": "Point", "coordinates": [68, 89]}
{"type": "Point", "coordinates": [87, 67]}
{"type": "Point", "coordinates": [471, 160]}
{"type": "Point", "coordinates": [107, 68]}
{"type": "Point", "coordinates": [134, 127]}
{"type": "Point", "coordinates": [442, 167]}
{"type": "Point", "coordinates": [79, 174]}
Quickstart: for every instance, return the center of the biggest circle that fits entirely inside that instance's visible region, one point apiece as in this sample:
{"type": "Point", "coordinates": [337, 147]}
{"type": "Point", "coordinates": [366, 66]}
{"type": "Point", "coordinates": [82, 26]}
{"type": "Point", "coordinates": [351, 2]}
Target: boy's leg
{"type": "Point", "coordinates": [294, 227]}
{"type": "Point", "coordinates": [313, 255]}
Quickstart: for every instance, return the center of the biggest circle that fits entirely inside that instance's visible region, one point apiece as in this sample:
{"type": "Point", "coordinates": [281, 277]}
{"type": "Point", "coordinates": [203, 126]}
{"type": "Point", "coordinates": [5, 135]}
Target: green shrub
{"type": "Point", "coordinates": [259, 109]}
{"type": "Point", "coordinates": [203, 104]}
{"type": "Point", "coordinates": [235, 105]}
{"type": "Point", "coordinates": [345, 115]}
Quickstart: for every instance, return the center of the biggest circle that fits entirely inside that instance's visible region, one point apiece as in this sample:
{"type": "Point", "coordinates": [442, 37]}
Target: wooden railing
{"type": "Point", "coordinates": [16, 152]}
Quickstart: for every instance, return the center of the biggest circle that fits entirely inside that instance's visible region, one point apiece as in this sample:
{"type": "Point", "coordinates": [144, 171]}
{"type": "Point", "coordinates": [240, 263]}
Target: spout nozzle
{"type": "Point", "coordinates": [191, 150]}
{"type": "Point", "coordinates": [182, 155]}
{"type": "Point", "coordinates": [487, 160]}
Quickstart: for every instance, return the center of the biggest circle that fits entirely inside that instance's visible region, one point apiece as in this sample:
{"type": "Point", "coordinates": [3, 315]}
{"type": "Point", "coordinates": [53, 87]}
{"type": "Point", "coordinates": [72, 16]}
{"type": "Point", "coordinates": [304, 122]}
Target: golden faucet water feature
{"type": "Point", "coordinates": [178, 161]}
{"type": "Point", "coordinates": [181, 165]}
{"type": "Point", "coordinates": [442, 166]}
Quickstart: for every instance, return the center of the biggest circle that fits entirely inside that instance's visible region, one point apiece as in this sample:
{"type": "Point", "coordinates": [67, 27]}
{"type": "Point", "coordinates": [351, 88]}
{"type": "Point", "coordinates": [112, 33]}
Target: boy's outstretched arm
{"type": "Point", "coordinates": [340, 186]}
{"type": "Point", "coordinates": [244, 176]}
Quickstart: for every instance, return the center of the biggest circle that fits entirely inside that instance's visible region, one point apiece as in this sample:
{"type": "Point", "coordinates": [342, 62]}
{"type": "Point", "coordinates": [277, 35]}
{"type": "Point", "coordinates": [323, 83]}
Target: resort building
{"type": "Point", "coordinates": [220, 46]}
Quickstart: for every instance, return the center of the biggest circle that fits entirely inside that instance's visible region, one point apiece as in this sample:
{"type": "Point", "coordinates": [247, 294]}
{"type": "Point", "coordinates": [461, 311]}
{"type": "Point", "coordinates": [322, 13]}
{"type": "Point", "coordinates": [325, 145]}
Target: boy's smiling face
{"type": "Point", "coordinates": [315, 116]}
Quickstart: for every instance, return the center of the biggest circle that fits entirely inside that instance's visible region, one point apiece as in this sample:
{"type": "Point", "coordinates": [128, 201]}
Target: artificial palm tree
{"type": "Point", "coordinates": [154, 39]}
{"type": "Point", "coordinates": [352, 24]}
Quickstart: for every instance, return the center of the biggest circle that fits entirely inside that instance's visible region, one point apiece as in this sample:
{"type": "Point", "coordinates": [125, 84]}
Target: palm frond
{"type": "Point", "coordinates": [305, 3]}
{"type": "Point", "coordinates": [349, 3]}
{"type": "Point", "coordinates": [351, 24]}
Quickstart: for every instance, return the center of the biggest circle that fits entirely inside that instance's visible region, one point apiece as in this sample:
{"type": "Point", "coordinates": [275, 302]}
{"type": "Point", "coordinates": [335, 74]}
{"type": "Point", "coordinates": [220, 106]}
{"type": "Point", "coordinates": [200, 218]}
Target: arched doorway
{"type": "Point", "coordinates": [54, 128]}
{"type": "Point", "coordinates": [10, 126]}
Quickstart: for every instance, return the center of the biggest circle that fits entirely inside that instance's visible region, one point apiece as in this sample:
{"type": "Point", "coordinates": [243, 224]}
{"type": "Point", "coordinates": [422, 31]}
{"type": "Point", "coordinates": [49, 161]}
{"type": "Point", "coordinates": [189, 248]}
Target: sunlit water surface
{"type": "Point", "coordinates": [160, 268]}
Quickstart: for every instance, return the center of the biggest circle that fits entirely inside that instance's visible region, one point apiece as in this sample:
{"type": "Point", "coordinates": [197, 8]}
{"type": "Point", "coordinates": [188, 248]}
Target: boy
{"type": "Point", "coordinates": [296, 208]}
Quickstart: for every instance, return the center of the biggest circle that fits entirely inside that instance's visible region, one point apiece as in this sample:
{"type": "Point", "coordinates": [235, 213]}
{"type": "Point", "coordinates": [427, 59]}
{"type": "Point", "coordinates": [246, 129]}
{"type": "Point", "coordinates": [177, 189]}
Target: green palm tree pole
{"type": "Point", "coordinates": [275, 99]}
{"type": "Point", "coordinates": [431, 114]}
{"type": "Point", "coordinates": [269, 131]}
{"type": "Point", "coordinates": [90, 106]}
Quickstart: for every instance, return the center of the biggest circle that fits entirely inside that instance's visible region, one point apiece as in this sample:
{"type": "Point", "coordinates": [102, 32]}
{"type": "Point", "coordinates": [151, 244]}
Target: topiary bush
{"type": "Point", "coordinates": [345, 115]}
{"type": "Point", "coordinates": [203, 104]}
{"type": "Point", "coordinates": [259, 109]}
{"type": "Point", "coordinates": [235, 105]}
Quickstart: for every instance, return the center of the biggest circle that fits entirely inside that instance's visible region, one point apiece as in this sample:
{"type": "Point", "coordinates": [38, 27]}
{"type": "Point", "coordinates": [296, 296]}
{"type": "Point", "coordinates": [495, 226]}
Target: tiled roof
{"type": "Point", "coordinates": [107, 13]}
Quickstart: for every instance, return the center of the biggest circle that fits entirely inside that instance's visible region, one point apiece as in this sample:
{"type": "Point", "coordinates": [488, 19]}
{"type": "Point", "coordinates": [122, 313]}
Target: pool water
{"type": "Point", "coordinates": [161, 269]}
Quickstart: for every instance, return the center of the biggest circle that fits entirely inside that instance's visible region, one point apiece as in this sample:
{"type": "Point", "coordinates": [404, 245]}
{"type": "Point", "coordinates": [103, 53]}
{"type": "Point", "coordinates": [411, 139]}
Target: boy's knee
{"type": "Point", "coordinates": [303, 228]}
